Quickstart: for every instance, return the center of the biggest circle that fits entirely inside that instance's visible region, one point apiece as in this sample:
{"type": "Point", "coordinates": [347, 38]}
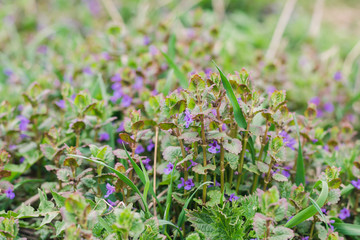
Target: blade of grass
{"type": "Point", "coordinates": [239, 117]}
{"type": "Point", "coordinates": [347, 229]}
{"type": "Point", "coordinates": [164, 222]}
{"type": "Point", "coordinates": [347, 189]}
{"type": "Point", "coordinates": [311, 210]}
{"type": "Point", "coordinates": [319, 211]}
{"type": "Point", "coordinates": [300, 168]}
{"type": "Point", "coordinates": [121, 176]}
{"type": "Point", "coordinates": [180, 75]}
{"type": "Point", "coordinates": [144, 177]}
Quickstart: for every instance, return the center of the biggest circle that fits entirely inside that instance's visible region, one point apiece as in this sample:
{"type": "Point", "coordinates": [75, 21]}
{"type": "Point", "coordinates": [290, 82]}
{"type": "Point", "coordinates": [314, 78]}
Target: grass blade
{"type": "Point", "coordinates": [164, 222]}
{"type": "Point", "coordinates": [320, 212]}
{"type": "Point", "coordinates": [123, 178]}
{"type": "Point", "coordinates": [144, 177]}
{"type": "Point", "coordinates": [180, 75]}
{"type": "Point", "coordinates": [347, 189]}
{"type": "Point", "coordinates": [311, 210]}
{"type": "Point", "coordinates": [300, 168]}
{"type": "Point", "coordinates": [347, 229]}
{"type": "Point", "coordinates": [239, 117]}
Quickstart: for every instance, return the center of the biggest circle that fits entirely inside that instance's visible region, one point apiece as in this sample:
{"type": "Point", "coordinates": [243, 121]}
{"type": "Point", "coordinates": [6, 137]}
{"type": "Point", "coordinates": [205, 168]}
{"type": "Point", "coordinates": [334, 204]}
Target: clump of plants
{"type": "Point", "coordinates": [216, 159]}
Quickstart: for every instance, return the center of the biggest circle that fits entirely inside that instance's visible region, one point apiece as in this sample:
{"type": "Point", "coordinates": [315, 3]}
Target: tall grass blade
{"type": "Point", "coordinates": [311, 210]}
{"type": "Point", "coordinates": [347, 229]}
{"type": "Point", "coordinates": [300, 168]}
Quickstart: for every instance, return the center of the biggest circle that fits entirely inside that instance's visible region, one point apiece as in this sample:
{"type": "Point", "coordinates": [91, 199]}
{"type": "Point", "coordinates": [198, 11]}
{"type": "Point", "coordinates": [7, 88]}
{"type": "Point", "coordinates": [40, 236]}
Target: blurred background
{"type": "Point", "coordinates": [309, 48]}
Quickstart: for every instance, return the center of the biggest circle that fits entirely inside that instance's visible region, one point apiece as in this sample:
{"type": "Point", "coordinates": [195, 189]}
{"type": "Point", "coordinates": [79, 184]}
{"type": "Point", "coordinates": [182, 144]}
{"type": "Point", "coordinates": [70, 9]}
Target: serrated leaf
{"type": "Point", "coordinates": [232, 159]}
{"type": "Point", "coordinates": [334, 196]}
{"type": "Point", "coordinates": [172, 154]}
{"type": "Point", "coordinates": [279, 177]}
{"type": "Point", "coordinates": [263, 167]}
{"type": "Point", "coordinates": [282, 233]}
{"type": "Point", "coordinates": [232, 145]}
{"type": "Point", "coordinates": [215, 135]}
{"type": "Point", "coordinates": [190, 137]}
{"type": "Point", "coordinates": [199, 169]}
{"type": "Point", "coordinates": [214, 196]}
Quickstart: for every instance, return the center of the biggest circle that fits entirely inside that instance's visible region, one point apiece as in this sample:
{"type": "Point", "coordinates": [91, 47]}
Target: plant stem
{"type": "Point", "coordinates": [183, 152]}
{"type": "Point", "coordinates": [204, 154]}
{"type": "Point", "coordinates": [154, 174]}
{"type": "Point", "coordinates": [267, 178]}
{"type": "Point", "coordinates": [263, 143]}
{"type": "Point", "coordinates": [312, 228]}
{"type": "Point", "coordinates": [240, 167]}
{"type": "Point", "coordinates": [222, 156]}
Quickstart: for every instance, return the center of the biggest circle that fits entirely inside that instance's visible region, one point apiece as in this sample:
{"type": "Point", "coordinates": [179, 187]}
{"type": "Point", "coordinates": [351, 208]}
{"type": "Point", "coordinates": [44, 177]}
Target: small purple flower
{"type": "Point", "coordinates": [60, 104]}
{"type": "Point", "coordinates": [187, 118]}
{"type": "Point", "coordinates": [8, 72]}
{"type": "Point", "coordinates": [233, 197]}
{"type": "Point", "coordinates": [180, 185]}
{"type": "Point", "coordinates": [146, 163]}
{"type": "Point", "coordinates": [151, 146]}
{"type": "Point", "coordinates": [239, 99]}
{"type": "Point", "coordinates": [22, 159]}
{"type": "Point", "coordinates": [169, 168]}
{"type": "Point", "coordinates": [116, 78]}
{"type": "Point", "coordinates": [270, 90]}
{"type": "Point", "coordinates": [213, 111]}
{"type": "Point", "coordinates": [138, 83]}
{"type": "Point", "coordinates": [106, 56]}
{"type": "Point", "coordinates": [112, 204]}
{"type": "Point", "coordinates": [104, 137]}
{"type": "Point", "coordinates": [329, 107]}
{"type": "Point", "coordinates": [315, 100]}
{"type": "Point", "coordinates": [126, 101]}
{"type": "Point", "coordinates": [344, 213]}
{"type": "Point", "coordinates": [121, 127]}
{"type": "Point", "coordinates": [110, 190]}
{"type": "Point", "coordinates": [139, 149]}
{"type": "Point", "coordinates": [189, 184]}
{"type": "Point", "coordinates": [42, 49]}
{"type": "Point", "coordinates": [338, 76]}
{"type": "Point", "coordinates": [323, 210]}
{"type": "Point", "coordinates": [224, 127]}
{"type": "Point", "coordinates": [217, 184]}
{"type": "Point", "coordinates": [120, 141]}
{"type": "Point", "coordinates": [286, 173]}
{"type": "Point", "coordinates": [214, 147]}
{"type": "Point", "coordinates": [146, 40]}
{"type": "Point", "coordinates": [330, 224]}
{"type": "Point", "coordinates": [24, 122]}
{"type": "Point", "coordinates": [193, 164]}
{"type": "Point", "coordinates": [288, 140]}
{"type": "Point", "coordinates": [305, 238]}
{"type": "Point", "coordinates": [208, 72]}
{"type": "Point", "coordinates": [10, 193]}
{"type": "Point", "coordinates": [356, 184]}
{"type": "Point", "coordinates": [87, 70]}
{"type": "Point", "coordinates": [153, 50]}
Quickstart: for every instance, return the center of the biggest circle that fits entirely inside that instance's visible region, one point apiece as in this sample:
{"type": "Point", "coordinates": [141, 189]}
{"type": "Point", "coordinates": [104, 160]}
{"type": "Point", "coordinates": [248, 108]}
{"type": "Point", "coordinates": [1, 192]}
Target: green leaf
{"type": "Point", "coordinates": [300, 168]}
{"type": "Point", "coordinates": [311, 210]}
{"type": "Point", "coordinates": [347, 229]}
{"type": "Point", "coordinates": [59, 200]}
{"type": "Point", "coordinates": [239, 117]}
{"type": "Point", "coordinates": [282, 233]}
{"type": "Point", "coordinates": [180, 75]}
{"type": "Point", "coordinates": [279, 177]}
{"type": "Point", "coordinates": [319, 211]}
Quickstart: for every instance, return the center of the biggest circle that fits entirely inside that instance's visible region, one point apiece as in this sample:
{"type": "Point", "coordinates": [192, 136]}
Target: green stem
{"type": "Point", "coordinates": [184, 156]}
{"type": "Point", "coordinates": [267, 178]}
{"type": "Point", "coordinates": [240, 167]}
{"type": "Point", "coordinates": [263, 143]}
{"type": "Point", "coordinates": [312, 228]}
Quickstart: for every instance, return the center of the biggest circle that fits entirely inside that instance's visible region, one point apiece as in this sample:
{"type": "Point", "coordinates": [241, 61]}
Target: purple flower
{"type": "Point", "coordinates": [121, 127]}
{"type": "Point", "coordinates": [217, 184]}
{"type": "Point", "coordinates": [42, 49]}
{"type": "Point", "coordinates": [344, 213]}
{"type": "Point", "coordinates": [331, 226]}
{"type": "Point", "coordinates": [104, 137]}
{"type": "Point", "coordinates": [112, 204]}
{"type": "Point", "coordinates": [24, 122]}
{"type": "Point", "coordinates": [285, 173]}
{"type": "Point", "coordinates": [120, 141]}
{"type": "Point", "coordinates": [329, 107]}
{"type": "Point", "coordinates": [315, 100]}
{"type": "Point", "coordinates": [224, 127]}
{"type": "Point", "coordinates": [8, 72]}
{"type": "Point", "coordinates": [233, 197]}
{"type": "Point", "coordinates": [110, 190]}
{"type": "Point", "coordinates": [305, 238]}
{"type": "Point", "coordinates": [356, 184]}
{"type": "Point", "coordinates": [337, 76]}
{"type": "Point", "coordinates": [189, 184]}
{"type": "Point", "coordinates": [116, 78]}
{"type": "Point", "coordinates": [214, 147]}
{"type": "Point", "coordinates": [271, 89]}
{"type": "Point", "coordinates": [187, 118]}
{"type": "Point", "coordinates": [139, 149]}
{"type": "Point", "coordinates": [10, 193]}
{"type": "Point", "coordinates": [60, 104]}
{"type": "Point", "coordinates": [153, 50]}
{"type": "Point", "coordinates": [87, 70]}
{"type": "Point", "coordinates": [106, 56]}
{"type": "Point", "coordinates": [192, 164]}
{"type": "Point", "coordinates": [208, 72]}
{"type": "Point", "coordinates": [213, 111]}
{"type": "Point", "coordinates": [180, 185]}
{"type": "Point", "coordinates": [138, 83]}
{"type": "Point", "coordinates": [146, 40]}
{"type": "Point", "coordinates": [146, 163]}
{"type": "Point", "coordinates": [169, 168]}
{"type": "Point", "coordinates": [126, 101]}
{"type": "Point", "coordinates": [22, 159]}
{"type": "Point", "coordinates": [288, 140]}
{"type": "Point", "coordinates": [151, 146]}
{"type": "Point", "coordinates": [323, 210]}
